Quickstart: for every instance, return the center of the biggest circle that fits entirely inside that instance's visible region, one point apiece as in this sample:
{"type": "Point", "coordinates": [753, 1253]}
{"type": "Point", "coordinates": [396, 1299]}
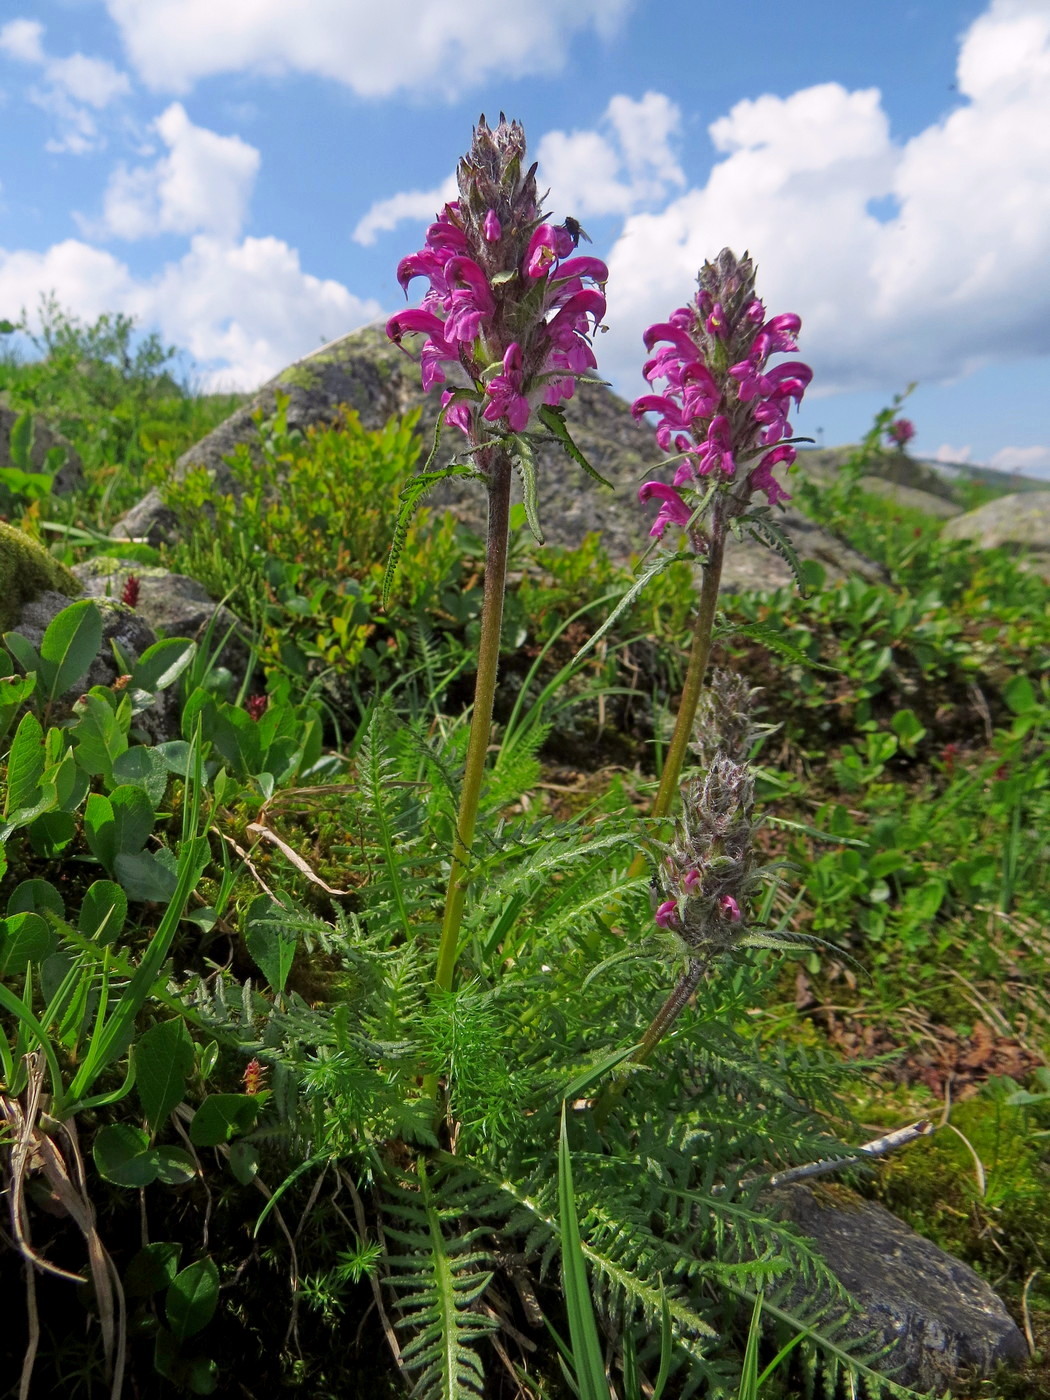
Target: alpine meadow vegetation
{"type": "Point", "coordinates": [420, 987]}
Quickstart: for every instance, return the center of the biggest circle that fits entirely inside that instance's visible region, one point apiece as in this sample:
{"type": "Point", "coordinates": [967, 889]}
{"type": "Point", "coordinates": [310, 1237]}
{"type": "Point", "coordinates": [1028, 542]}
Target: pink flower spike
{"type": "Point", "coordinates": [492, 228]}
{"type": "Point", "coordinates": [692, 880]}
{"type": "Point", "coordinates": [667, 914]}
{"type": "Point", "coordinates": [729, 906]}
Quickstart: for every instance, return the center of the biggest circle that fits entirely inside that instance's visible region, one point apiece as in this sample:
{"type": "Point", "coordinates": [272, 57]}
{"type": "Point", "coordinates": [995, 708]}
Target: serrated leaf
{"type": "Point", "coordinates": [766, 531]}
{"type": "Point", "coordinates": [554, 419]}
{"type": "Point", "coordinates": [525, 466]}
{"type": "Point", "coordinates": [270, 943]}
{"type": "Point", "coordinates": [657, 567]}
{"type": "Point", "coordinates": [776, 641]}
{"type": "Point", "coordinates": [163, 1057]}
{"type": "Point", "coordinates": [411, 498]}
{"type": "Point", "coordinates": [147, 875]}
{"type": "Point", "coordinates": [99, 737]}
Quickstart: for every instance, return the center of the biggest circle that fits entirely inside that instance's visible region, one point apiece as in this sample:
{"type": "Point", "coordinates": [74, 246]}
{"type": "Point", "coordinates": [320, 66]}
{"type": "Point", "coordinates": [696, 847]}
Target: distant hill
{"type": "Point", "coordinates": [920, 473]}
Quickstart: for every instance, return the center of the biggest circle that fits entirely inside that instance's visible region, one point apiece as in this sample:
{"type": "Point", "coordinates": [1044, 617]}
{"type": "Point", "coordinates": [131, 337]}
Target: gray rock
{"type": "Point", "coordinates": [68, 477]}
{"type": "Point", "coordinates": [940, 1317]}
{"type": "Point", "coordinates": [120, 624]}
{"type": "Point", "coordinates": [1019, 523]}
{"type": "Point", "coordinates": [376, 379]}
{"type": "Point", "coordinates": [914, 497]}
{"type": "Point", "coordinates": [173, 605]}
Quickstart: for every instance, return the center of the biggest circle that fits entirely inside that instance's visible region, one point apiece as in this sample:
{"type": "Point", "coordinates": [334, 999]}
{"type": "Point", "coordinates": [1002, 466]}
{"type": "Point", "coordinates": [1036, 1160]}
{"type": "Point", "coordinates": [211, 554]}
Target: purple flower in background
{"type": "Point", "coordinates": [900, 432]}
{"type": "Point", "coordinates": [723, 405]}
{"type": "Point", "coordinates": [510, 310]}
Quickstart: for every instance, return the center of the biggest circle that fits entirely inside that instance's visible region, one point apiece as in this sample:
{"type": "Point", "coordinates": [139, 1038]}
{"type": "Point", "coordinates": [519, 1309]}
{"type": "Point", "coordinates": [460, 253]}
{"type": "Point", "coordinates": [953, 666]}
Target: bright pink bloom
{"type": "Point", "coordinates": [509, 306]}
{"type": "Point", "coordinates": [729, 906]}
{"type": "Point", "coordinates": [673, 511]}
{"type": "Point", "coordinates": [901, 432]}
{"type": "Point", "coordinates": [667, 914]}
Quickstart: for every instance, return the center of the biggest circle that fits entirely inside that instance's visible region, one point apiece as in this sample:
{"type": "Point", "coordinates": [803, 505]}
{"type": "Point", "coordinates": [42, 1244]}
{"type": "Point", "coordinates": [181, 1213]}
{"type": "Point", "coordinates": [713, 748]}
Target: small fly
{"type": "Point", "coordinates": [575, 231]}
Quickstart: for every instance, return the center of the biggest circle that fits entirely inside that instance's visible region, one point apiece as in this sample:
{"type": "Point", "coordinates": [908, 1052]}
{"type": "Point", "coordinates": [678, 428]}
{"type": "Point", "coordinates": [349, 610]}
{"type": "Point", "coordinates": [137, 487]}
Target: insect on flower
{"type": "Point", "coordinates": [576, 231]}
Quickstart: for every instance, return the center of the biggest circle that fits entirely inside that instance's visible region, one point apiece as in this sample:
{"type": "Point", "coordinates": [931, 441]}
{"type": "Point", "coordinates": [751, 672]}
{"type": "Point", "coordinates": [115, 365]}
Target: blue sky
{"type": "Point", "coordinates": [243, 175]}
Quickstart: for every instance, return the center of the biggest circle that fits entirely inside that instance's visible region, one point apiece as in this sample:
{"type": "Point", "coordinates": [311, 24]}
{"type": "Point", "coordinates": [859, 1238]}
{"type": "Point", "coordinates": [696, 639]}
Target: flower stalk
{"type": "Point", "coordinates": [506, 325]}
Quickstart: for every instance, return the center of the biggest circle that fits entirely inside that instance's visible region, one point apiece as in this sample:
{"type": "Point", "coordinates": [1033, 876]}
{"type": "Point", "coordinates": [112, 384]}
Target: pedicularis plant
{"type": "Point", "coordinates": [507, 316]}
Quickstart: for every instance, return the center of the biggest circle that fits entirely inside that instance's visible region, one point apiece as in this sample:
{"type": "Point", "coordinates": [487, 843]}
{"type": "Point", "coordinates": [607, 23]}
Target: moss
{"type": "Point", "coordinates": [302, 376]}
{"type": "Point", "coordinates": [26, 571]}
{"type": "Point", "coordinates": [935, 1187]}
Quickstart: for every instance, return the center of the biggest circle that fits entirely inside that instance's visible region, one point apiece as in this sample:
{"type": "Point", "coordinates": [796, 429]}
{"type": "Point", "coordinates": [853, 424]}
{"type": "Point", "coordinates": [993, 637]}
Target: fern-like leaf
{"type": "Point", "coordinates": [762, 527]}
{"type": "Point", "coordinates": [411, 498]}
{"type": "Point", "coordinates": [554, 419]}
{"type": "Point", "coordinates": [525, 465]}
{"type": "Point", "coordinates": [438, 1279]}
{"type": "Point", "coordinates": [659, 566]}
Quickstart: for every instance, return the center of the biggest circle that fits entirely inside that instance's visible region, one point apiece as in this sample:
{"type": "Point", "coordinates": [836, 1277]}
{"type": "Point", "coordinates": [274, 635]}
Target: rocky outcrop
{"type": "Point", "coordinates": [27, 571]}
{"type": "Point", "coordinates": [1019, 523]}
{"type": "Point", "coordinates": [364, 371]}
{"type": "Point", "coordinates": [936, 1316]}
{"type": "Point", "coordinates": [172, 605]}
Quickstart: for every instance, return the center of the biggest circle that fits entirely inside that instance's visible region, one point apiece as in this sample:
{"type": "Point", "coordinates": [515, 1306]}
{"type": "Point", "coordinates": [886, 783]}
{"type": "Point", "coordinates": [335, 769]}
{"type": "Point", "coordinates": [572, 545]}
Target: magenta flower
{"type": "Point", "coordinates": [666, 915]}
{"type": "Point", "coordinates": [901, 432]}
{"type": "Point", "coordinates": [673, 511]}
{"type": "Point", "coordinates": [723, 404]}
{"type": "Point", "coordinates": [510, 310]}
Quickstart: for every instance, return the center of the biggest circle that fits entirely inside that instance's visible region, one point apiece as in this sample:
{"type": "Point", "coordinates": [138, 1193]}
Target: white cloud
{"type": "Point", "coordinates": [1029, 461]}
{"type": "Point", "coordinates": [203, 184]}
{"type": "Point", "coordinates": [417, 46]}
{"type": "Point", "coordinates": [419, 205]}
{"type": "Point", "coordinates": [947, 453]}
{"type": "Point", "coordinates": [954, 278]}
{"type": "Point", "coordinates": [243, 310]}
{"type": "Point", "coordinates": [71, 86]}
{"type": "Point", "coordinates": [22, 39]}
{"type": "Point", "coordinates": [625, 166]}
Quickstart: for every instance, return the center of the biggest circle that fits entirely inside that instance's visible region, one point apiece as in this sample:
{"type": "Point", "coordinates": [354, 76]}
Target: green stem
{"type": "Point", "coordinates": [669, 1012]}
{"type": "Point", "coordinates": [694, 680]}
{"type": "Point", "coordinates": [481, 719]}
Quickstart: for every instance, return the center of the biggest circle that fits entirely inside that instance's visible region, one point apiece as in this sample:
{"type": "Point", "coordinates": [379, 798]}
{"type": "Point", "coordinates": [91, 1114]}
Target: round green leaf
{"type": "Point", "coordinates": [152, 1268]}
{"type": "Point", "coordinates": [123, 1155]}
{"type": "Point", "coordinates": [51, 833]}
{"type": "Point", "coordinates": [103, 912]}
{"type": "Point", "coordinates": [223, 1116]}
{"type": "Point", "coordinates": [38, 897]}
{"type": "Point", "coordinates": [192, 1297]}
{"type": "Point", "coordinates": [24, 938]}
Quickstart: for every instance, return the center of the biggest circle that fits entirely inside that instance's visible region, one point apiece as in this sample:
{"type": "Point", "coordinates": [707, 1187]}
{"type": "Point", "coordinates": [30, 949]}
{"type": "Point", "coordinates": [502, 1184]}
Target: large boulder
{"type": "Point", "coordinates": [1018, 523]}
{"type": "Point", "coordinates": [27, 571]}
{"type": "Point", "coordinates": [938, 1317]}
{"type": "Point", "coordinates": [366, 372]}
{"type": "Point", "coordinates": [70, 473]}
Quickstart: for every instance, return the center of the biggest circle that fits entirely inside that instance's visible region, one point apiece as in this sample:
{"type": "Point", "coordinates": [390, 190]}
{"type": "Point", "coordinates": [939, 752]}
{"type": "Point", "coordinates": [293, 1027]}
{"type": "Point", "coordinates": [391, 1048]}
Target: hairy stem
{"type": "Point", "coordinates": [694, 680]}
{"type": "Point", "coordinates": [481, 719]}
{"type": "Point", "coordinates": [670, 1011]}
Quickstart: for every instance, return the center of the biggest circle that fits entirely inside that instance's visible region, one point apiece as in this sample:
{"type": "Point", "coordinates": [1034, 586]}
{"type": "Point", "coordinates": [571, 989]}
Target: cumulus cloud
{"type": "Point", "coordinates": [203, 184]}
{"type": "Point", "coordinates": [1029, 461]}
{"type": "Point", "coordinates": [952, 277]}
{"type": "Point", "coordinates": [243, 310]}
{"type": "Point", "coordinates": [949, 454]}
{"type": "Point", "coordinates": [626, 164]}
{"type": "Point", "coordinates": [71, 87]}
{"type": "Point", "coordinates": [418, 205]}
{"type": "Point", "coordinates": [431, 46]}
